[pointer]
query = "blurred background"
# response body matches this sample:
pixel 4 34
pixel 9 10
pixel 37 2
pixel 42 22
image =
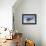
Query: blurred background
pixel 37 32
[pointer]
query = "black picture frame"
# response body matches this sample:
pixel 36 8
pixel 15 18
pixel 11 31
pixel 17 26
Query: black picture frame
pixel 29 18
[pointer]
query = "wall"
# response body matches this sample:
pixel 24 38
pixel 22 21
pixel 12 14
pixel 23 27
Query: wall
pixel 32 32
pixel 6 13
pixel 43 22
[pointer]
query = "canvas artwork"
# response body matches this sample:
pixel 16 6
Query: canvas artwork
pixel 28 18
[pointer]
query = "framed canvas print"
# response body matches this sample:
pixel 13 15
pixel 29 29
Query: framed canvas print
pixel 29 19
